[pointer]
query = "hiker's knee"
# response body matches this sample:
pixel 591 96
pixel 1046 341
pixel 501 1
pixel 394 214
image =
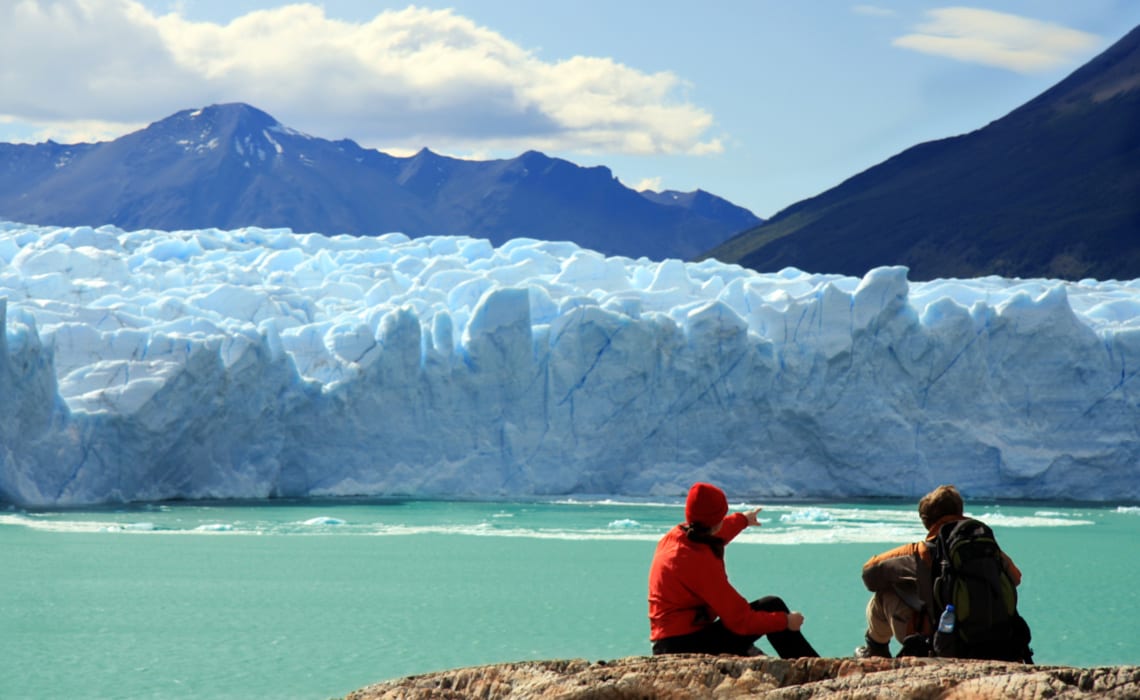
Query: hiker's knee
pixel 889 616
pixel 770 603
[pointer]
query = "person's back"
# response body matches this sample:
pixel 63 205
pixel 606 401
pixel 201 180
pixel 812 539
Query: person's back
pixel 692 606
pixel 906 605
pixel 975 596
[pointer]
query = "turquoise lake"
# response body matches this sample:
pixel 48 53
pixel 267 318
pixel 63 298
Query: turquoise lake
pixel 315 599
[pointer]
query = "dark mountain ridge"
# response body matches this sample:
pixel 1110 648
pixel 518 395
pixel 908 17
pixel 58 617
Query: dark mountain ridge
pixel 232 165
pixel 1050 190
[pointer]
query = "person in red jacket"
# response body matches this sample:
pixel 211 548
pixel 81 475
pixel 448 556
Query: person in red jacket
pixel 692 606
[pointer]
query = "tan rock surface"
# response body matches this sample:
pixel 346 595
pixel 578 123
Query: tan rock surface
pixel 682 677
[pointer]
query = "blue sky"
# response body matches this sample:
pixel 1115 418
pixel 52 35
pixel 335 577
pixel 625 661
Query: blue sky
pixel 762 102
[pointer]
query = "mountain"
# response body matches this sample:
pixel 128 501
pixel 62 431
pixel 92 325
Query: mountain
pixel 1050 190
pixel 231 165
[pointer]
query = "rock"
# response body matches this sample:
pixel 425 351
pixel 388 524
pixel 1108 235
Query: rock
pixel 685 676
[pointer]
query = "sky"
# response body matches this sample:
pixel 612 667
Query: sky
pixel 762 102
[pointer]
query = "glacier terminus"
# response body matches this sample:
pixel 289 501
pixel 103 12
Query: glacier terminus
pixel 259 363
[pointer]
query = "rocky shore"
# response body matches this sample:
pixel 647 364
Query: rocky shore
pixel 696 676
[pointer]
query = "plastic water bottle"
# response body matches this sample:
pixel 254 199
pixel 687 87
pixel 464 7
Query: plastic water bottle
pixel 947 621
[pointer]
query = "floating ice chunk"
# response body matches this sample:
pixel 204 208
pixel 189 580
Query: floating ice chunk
pixel 323 520
pixel 130 527
pixel 624 524
pixel 214 527
pixel 807 515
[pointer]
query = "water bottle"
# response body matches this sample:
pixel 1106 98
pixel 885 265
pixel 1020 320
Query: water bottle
pixel 946 622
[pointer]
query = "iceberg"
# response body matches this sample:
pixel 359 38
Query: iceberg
pixel 261 363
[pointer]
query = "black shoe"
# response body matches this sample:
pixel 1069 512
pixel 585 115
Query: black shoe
pixel 873 649
pixel 916 645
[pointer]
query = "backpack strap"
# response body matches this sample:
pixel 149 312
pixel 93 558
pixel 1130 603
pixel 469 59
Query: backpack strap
pixel 939 568
pixel 926 574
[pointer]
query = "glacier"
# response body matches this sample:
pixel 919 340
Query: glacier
pixel 262 363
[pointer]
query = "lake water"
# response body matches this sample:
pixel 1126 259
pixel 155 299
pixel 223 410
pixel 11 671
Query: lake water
pixel 314 599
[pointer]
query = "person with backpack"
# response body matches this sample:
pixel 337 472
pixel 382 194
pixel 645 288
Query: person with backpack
pixel 952 594
pixel 693 609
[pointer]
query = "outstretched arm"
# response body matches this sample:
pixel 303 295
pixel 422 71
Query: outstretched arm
pixel 734 523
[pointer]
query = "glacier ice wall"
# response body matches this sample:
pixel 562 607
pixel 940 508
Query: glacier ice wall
pixel 259 363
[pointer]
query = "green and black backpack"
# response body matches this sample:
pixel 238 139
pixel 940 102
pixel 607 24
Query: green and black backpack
pixel 969 573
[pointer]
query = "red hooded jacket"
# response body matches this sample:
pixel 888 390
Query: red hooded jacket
pixel 689 588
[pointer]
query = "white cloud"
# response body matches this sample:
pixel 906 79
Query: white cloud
pixel 873 11
pixel 649 183
pixel 998 39
pixel 83 131
pixel 403 80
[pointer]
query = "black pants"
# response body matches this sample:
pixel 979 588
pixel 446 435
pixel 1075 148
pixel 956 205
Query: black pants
pixel 718 639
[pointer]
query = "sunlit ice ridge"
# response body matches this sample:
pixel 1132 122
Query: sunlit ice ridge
pixel 153 365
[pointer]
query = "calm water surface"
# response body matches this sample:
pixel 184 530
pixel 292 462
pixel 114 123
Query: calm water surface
pixel 315 599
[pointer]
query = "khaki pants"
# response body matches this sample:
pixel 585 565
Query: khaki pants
pixel 888 616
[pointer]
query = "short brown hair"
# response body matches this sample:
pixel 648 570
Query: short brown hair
pixel 942 501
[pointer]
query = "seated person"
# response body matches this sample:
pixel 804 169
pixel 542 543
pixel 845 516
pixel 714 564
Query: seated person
pixel 692 606
pixel 902 581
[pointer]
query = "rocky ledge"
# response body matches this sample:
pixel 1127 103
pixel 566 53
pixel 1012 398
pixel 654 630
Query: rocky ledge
pixel 697 676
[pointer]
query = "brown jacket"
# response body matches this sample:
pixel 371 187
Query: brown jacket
pixel 906 570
